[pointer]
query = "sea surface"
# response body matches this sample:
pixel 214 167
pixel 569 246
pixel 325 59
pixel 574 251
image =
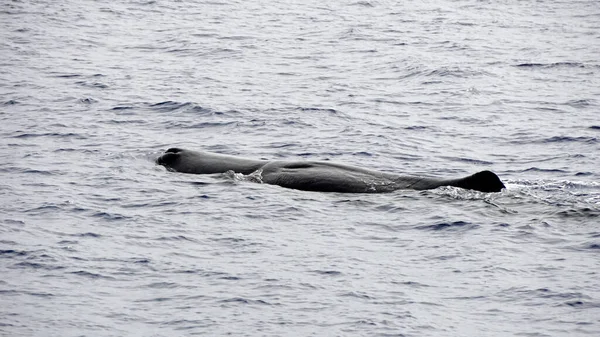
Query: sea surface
pixel 98 240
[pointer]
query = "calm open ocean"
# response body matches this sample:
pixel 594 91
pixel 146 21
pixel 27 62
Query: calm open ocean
pixel 98 240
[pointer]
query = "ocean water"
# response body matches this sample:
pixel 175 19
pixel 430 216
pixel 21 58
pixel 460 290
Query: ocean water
pixel 97 240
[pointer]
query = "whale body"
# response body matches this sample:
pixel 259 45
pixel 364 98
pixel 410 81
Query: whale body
pixel 317 175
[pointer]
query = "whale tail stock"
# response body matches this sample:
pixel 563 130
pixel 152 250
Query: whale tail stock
pixel 484 181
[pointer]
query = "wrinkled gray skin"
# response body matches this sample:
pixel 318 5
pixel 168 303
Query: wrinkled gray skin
pixel 318 176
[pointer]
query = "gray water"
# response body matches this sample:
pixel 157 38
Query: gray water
pixel 97 240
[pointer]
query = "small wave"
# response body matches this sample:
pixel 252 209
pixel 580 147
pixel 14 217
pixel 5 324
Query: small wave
pixel 449 226
pixel 122 107
pixel 172 106
pixel 416 128
pixel 35 265
pixel 580 103
pixel 358 295
pixel 327 110
pixel 49 134
pixel 98 85
pixel 109 216
pixel 328 272
pixel 12 252
pixel 176 238
pixel 203 125
pixel 453 72
pixel 566 139
pixel 91 275
pixel 44 208
pixel 584 212
pixel 552 65
pixel 87 235
pixel 87 100
pixel 163 285
pixel 68 76
pixel 363 4
pixel 245 301
pixel 468 160
pixel 594 246
pixel 537 169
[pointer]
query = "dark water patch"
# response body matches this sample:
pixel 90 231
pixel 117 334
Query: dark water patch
pixel 449 226
pixel 230 278
pixel 198 183
pixel 574 303
pixel 140 261
pixel 411 284
pixel 327 272
pixel 363 154
pixel 582 304
pixel 584 174
pixel 593 246
pixel 595 127
pixel 10 102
